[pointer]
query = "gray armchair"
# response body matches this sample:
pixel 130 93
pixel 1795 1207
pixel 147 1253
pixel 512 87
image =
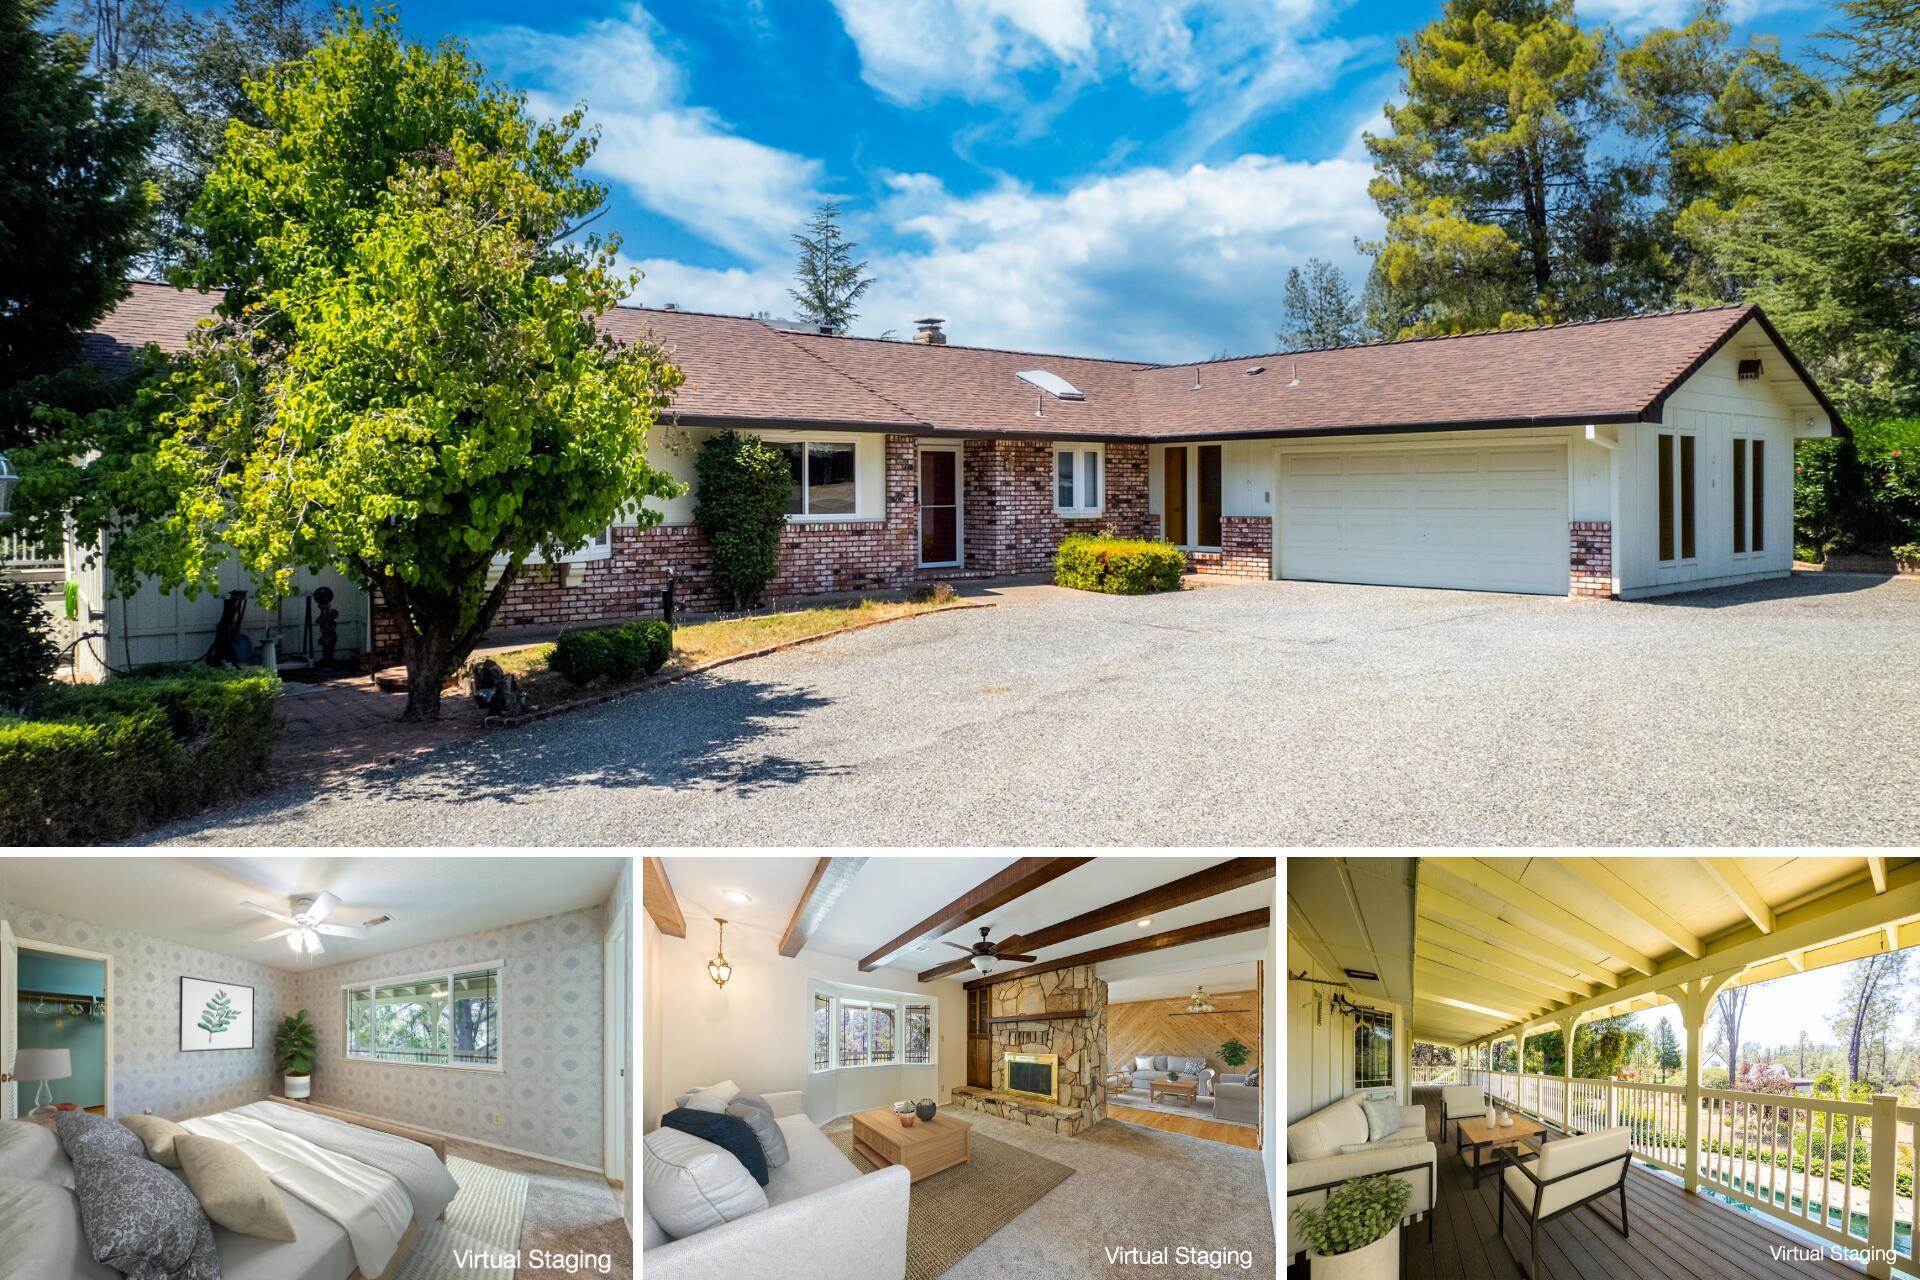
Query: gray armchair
pixel 1235 1099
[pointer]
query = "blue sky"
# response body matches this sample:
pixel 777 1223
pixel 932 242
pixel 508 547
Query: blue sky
pixel 1106 177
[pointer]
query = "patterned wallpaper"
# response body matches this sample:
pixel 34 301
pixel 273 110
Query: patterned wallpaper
pixel 150 1073
pixel 548 1094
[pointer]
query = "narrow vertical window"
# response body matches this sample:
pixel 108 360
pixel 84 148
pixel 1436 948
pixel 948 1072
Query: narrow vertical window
pixel 1739 497
pixel 1686 498
pixel 1758 473
pixel 1663 449
pixel 1091 459
pixel 1063 470
pixel 822 1032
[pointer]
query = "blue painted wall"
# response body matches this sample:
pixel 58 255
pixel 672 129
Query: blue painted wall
pixel 84 1038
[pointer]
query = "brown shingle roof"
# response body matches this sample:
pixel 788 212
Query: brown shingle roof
pixel 743 371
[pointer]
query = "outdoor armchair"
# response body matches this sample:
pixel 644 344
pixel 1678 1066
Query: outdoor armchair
pixel 1460 1102
pixel 1569 1173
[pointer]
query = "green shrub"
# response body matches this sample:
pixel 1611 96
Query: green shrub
pixel 740 503
pixel 28 654
pixel 1355 1215
pixel 100 762
pixel 1117 566
pixel 621 653
pixel 1860 494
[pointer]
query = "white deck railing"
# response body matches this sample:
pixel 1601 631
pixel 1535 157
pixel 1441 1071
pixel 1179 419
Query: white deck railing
pixel 1811 1162
pixel 18 553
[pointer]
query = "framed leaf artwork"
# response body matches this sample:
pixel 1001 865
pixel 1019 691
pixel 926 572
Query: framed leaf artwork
pixel 215 1015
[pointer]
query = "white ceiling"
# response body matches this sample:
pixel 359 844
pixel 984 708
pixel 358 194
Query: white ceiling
pixel 891 894
pixel 197 900
pixel 1215 978
pixel 1356 913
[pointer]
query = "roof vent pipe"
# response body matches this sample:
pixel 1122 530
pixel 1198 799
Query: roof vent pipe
pixel 929 332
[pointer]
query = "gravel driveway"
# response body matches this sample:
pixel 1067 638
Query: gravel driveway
pixel 1267 713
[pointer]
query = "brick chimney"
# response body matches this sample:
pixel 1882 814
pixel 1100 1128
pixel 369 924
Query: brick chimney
pixel 930 332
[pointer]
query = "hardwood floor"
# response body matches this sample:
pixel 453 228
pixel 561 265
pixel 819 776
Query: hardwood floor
pixel 1234 1135
pixel 1675 1236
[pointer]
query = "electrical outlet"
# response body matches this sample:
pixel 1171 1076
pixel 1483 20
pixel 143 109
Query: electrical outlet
pixel 494 1118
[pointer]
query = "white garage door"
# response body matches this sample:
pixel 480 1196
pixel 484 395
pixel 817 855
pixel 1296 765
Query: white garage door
pixel 1492 518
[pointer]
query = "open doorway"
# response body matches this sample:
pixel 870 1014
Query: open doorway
pixel 61 1033
pixel 1181 1046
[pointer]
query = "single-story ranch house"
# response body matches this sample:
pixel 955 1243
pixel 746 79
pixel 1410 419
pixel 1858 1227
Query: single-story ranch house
pixel 1617 458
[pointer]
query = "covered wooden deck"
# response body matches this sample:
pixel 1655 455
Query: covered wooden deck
pixel 1674 1236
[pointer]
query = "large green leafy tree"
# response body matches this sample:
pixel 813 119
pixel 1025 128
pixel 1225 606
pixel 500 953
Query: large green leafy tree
pixel 73 206
pixel 189 69
pixel 406 381
pixel 1502 208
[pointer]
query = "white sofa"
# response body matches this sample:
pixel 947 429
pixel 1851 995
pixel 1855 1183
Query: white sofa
pixel 824 1220
pixel 1331 1146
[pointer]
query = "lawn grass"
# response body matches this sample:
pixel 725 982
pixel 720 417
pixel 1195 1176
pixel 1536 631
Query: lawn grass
pixel 705 642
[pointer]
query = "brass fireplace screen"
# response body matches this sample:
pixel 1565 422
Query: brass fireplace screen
pixel 1033 1075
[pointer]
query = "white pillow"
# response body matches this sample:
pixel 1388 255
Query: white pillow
pixel 688 1184
pixel 1143 1063
pixel 713 1097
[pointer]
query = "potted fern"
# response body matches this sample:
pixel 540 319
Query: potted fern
pixel 1355 1235
pixel 294 1049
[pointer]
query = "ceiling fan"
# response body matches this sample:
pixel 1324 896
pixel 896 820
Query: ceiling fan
pixel 306 923
pixel 981 955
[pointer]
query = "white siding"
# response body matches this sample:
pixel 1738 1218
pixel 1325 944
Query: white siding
pixel 166 626
pixel 1714 405
pixel 1320 1055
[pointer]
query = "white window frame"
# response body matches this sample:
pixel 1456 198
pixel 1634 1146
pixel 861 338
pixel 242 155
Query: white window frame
pixel 898 1003
pixel 497 1066
pixel 598 547
pixel 1082 453
pixel 804 516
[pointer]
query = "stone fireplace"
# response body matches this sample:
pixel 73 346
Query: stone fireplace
pixel 1067 1023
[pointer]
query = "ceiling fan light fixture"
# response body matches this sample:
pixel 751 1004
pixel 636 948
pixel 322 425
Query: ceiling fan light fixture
pixel 983 963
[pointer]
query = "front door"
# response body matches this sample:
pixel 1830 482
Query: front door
pixel 1175 496
pixel 939 506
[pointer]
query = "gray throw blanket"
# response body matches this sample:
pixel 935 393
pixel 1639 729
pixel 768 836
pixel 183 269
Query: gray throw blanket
pixel 427 1182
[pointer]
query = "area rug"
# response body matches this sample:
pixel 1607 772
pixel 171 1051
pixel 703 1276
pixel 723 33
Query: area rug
pixel 479 1236
pixel 1200 1110
pixel 951 1212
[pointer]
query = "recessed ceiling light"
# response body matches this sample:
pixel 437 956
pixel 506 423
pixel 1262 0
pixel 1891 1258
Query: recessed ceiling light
pixel 734 895
pixel 1143 923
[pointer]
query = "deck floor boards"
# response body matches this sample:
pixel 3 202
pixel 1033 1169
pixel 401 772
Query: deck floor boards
pixel 1674 1236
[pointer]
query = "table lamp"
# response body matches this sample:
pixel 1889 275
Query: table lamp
pixel 43 1065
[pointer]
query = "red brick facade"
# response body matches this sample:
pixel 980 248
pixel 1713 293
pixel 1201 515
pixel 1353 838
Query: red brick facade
pixel 1009 527
pixel 1246 549
pixel 1590 558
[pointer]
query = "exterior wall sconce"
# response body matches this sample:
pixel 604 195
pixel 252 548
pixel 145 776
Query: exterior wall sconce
pixel 717 968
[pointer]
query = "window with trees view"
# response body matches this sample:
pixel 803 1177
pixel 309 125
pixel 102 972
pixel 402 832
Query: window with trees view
pixel 447 1019
pixel 1372 1049
pixel 854 1032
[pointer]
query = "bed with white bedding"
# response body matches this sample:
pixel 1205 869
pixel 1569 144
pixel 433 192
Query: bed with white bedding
pixel 358 1198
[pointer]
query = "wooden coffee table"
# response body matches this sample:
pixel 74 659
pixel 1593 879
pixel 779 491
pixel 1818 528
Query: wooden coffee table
pixel 1480 1134
pixel 925 1147
pixel 1185 1090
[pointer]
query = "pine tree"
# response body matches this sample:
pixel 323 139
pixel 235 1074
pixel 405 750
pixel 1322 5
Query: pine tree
pixel 1320 309
pixel 830 280
pixel 1666 1049
pixel 1801 1050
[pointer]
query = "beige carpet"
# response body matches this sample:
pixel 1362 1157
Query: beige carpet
pixel 569 1212
pixel 951 1212
pixel 478 1237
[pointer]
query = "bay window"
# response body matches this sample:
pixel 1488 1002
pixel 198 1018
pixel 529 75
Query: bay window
pixel 870 1031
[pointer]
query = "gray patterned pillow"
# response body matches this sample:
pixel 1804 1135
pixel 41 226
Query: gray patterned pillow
pixel 82 1132
pixel 773 1143
pixel 141 1220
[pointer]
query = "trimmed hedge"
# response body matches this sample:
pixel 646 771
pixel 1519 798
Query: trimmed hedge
pixel 1118 566
pixel 100 762
pixel 622 652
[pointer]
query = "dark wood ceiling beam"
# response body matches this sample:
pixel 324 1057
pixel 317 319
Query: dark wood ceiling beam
pixel 831 877
pixel 662 905
pixel 996 891
pixel 1235 873
pixel 1245 922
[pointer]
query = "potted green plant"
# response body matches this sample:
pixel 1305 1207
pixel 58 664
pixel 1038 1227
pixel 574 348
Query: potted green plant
pixel 294 1049
pixel 1355 1235
pixel 1172 1076
pixel 904 1110
pixel 1235 1054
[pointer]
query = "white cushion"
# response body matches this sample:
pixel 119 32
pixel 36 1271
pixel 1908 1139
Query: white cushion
pixel 1143 1063
pixel 1402 1139
pixel 1327 1131
pixel 1557 1158
pixel 689 1184
pixel 1383 1117
pixel 713 1097
pixel 1463 1100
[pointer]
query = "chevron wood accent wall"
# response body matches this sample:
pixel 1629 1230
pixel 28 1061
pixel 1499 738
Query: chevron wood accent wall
pixel 1147 1026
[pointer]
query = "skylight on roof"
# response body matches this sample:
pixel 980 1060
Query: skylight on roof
pixel 1052 383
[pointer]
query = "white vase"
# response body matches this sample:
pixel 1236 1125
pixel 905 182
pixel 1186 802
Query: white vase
pixel 1377 1261
pixel 297 1086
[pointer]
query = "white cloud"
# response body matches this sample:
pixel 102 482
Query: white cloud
pixel 679 160
pixel 1633 17
pixel 1154 264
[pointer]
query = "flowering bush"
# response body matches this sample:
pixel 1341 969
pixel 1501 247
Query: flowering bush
pixel 1861 494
